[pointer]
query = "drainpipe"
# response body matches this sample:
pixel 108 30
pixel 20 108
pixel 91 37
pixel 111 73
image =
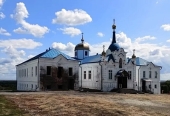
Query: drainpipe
pixel 81 76
pixel 101 77
pixel 138 78
pixel 38 86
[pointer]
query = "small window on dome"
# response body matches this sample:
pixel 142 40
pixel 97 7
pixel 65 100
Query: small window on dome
pixel 85 53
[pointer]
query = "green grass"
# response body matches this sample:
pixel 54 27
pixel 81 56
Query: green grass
pixel 8 108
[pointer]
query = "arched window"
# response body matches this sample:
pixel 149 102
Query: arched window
pixel 120 63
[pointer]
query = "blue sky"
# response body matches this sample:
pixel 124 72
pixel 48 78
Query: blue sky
pixel 28 28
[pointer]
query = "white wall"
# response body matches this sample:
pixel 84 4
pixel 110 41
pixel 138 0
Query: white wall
pixel 95 81
pixel 25 80
pixel 30 83
pixel 154 81
pixel 57 62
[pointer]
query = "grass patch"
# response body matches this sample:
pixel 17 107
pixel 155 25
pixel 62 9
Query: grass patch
pixel 8 108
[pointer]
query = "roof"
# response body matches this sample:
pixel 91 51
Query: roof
pixel 82 46
pixel 139 61
pixel 110 57
pixel 52 53
pixel 92 59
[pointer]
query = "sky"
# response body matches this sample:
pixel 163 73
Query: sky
pixel 29 27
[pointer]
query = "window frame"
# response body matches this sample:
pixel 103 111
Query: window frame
pixel 48 70
pixel 70 74
pixel 86 53
pixel 110 74
pixel 89 74
pixel 130 75
pixel 150 74
pixel 84 74
pixel 32 71
pixel 144 74
pixel 156 74
pixel 120 63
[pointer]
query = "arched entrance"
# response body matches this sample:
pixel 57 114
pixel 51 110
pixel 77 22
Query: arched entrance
pixel 122 76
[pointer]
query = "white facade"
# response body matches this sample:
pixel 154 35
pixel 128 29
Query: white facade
pixel 28 73
pixel 27 76
pixel 103 74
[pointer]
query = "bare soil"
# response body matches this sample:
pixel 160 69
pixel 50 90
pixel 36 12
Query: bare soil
pixel 72 103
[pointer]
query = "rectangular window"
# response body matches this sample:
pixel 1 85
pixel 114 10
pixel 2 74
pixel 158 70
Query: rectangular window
pixel 110 74
pixel 89 74
pixel 85 53
pixel 36 71
pixel 48 70
pixel 32 71
pixel 143 74
pixel 60 72
pixel 155 86
pixel 156 74
pixel 70 71
pixel 84 74
pixel 130 74
pixel 27 72
pixel 32 86
pixel 150 74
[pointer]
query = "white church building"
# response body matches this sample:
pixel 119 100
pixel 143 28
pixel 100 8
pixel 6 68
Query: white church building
pixel 54 70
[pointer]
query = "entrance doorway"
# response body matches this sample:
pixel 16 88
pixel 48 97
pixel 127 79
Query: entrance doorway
pixel 71 84
pixel 122 82
pixel 143 85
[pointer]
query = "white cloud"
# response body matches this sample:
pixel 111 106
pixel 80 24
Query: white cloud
pixel 13 53
pixel 68 48
pixel 20 43
pixel 100 34
pixel 71 17
pixel 141 39
pixel 4 32
pixel 20 14
pixel 2 15
pixel 13 49
pixel 71 31
pixel 1 3
pixel 166 27
pixel 30 56
pixel 7 65
pixel 20 31
pixel 168 40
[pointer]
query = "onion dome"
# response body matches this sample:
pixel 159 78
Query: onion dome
pixel 114 46
pixel 82 45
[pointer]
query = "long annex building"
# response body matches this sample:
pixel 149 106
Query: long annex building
pixel 54 70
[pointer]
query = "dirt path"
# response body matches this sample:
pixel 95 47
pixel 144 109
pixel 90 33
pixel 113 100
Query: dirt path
pixel 70 103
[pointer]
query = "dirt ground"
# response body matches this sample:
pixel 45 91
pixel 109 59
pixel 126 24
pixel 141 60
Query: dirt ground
pixel 72 103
